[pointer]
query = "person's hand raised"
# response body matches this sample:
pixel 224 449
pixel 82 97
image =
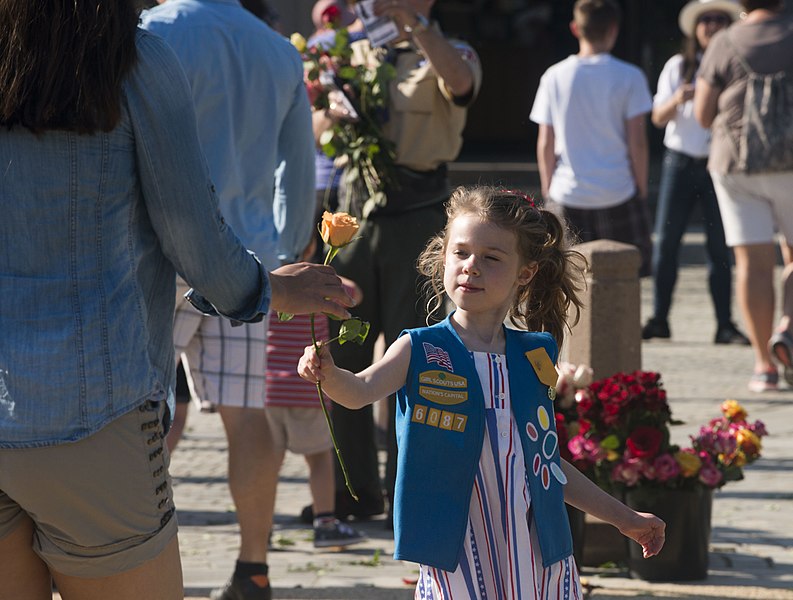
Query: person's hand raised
pixel 303 288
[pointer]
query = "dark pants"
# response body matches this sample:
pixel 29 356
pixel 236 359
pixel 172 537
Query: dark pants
pixel 383 263
pixel 627 222
pixel 686 182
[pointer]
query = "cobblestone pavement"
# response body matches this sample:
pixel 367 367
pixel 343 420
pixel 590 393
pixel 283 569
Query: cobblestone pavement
pixel 751 553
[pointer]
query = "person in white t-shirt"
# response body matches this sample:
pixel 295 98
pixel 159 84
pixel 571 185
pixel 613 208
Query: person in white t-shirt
pixel 592 143
pixel 685 181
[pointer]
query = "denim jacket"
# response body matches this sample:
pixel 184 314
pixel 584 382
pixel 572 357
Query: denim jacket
pixel 93 230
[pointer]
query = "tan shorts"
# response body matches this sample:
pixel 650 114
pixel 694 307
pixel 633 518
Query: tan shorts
pixel 227 364
pixel 299 430
pixel 100 506
pixel 755 208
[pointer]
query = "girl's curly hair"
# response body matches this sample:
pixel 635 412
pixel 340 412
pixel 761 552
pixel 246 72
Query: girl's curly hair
pixel 544 303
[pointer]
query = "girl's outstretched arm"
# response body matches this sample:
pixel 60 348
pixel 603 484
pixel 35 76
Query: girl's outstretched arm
pixel 356 390
pixel 644 528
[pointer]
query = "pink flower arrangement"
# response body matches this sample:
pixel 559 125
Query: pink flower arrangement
pixel 617 433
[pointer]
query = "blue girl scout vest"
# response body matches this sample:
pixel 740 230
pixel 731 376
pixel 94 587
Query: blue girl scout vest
pixel 440 424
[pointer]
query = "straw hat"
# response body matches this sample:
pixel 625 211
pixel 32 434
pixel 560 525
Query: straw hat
pixel 691 12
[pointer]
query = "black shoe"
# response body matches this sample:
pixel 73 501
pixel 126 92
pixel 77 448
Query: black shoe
pixel 656 328
pixel 729 334
pixel 370 504
pixel 307 515
pixel 242 588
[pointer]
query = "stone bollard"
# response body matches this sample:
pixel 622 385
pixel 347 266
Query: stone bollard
pixel 608 336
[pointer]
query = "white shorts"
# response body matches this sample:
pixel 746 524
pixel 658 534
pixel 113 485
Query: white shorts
pixel 755 208
pixel 299 430
pixel 227 364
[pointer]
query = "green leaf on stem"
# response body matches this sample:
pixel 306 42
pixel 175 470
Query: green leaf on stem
pixel 611 442
pixel 282 316
pixel 353 330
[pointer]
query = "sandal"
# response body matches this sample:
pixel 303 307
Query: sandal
pixel 781 346
pixel 764 382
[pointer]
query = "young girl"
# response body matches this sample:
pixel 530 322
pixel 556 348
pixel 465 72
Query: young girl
pixel 480 488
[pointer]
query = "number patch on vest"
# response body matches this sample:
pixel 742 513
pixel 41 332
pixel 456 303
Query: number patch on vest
pixel 443 419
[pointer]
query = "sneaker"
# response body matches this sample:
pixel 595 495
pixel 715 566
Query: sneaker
pixel 335 533
pixel 242 588
pixel 764 382
pixel 656 328
pixel 730 334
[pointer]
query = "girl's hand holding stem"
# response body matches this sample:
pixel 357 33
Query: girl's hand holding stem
pixel 310 366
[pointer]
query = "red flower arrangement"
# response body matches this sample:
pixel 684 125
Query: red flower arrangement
pixel 617 433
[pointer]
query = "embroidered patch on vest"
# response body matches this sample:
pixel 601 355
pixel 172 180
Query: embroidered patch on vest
pixel 445 397
pixel 443 419
pixel 443 379
pixel 433 354
pixel 542 464
pixel 543 366
pixel 443 388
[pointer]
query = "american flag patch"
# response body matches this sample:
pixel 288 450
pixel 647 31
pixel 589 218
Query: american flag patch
pixel 437 355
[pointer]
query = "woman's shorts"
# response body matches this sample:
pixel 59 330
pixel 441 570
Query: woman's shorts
pixel 100 506
pixel 299 430
pixel 754 208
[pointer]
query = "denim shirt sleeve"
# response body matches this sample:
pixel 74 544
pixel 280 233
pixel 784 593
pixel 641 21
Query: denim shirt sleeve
pixel 178 194
pixel 295 196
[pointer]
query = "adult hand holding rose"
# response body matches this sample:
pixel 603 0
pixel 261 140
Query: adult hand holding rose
pixel 337 230
pixel 308 288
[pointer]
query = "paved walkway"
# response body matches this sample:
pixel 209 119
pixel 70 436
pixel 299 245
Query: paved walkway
pixel 751 554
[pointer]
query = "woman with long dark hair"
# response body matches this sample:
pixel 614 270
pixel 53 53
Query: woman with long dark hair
pixel 685 182
pixel 104 196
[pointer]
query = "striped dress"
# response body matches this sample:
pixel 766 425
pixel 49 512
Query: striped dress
pixel 501 556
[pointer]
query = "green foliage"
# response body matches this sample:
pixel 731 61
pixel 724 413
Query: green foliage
pixel 359 145
pixel 353 330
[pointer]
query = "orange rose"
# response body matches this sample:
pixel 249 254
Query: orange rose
pixel 338 229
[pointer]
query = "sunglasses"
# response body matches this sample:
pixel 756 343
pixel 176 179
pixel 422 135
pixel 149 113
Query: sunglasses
pixel 714 20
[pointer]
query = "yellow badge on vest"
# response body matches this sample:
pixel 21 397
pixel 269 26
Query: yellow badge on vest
pixel 543 366
pixel 443 388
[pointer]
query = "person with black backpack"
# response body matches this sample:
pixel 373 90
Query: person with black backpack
pixel 745 92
